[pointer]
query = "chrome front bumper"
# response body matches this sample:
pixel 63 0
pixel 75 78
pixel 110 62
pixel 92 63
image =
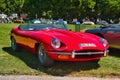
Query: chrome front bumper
pixel 73 53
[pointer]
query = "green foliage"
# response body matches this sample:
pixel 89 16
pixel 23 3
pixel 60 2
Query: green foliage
pixel 11 6
pixel 108 8
pixel 66 9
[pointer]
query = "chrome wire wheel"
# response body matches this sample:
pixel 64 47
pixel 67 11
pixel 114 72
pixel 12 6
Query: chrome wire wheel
pixel 41 54
pixel 44 59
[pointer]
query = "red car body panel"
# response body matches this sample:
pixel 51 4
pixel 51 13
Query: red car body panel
pixel 112 35
pixel 70 41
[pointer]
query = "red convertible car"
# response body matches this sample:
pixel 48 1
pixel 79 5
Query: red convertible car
pixel 51 41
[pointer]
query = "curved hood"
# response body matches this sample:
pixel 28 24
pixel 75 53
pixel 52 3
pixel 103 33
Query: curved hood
pixel 73 40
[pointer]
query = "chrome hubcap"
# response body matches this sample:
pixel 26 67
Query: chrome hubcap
pixel 41 54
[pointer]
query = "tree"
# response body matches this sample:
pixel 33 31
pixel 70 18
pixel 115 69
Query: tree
pixel 11 6
pixel 65 9
pixel 107 8
pixel 2 6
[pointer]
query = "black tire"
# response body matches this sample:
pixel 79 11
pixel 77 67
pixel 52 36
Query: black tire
pixel 13 44
pixel 44 59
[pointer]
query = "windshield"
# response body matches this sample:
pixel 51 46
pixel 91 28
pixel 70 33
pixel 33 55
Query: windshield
pixel 41 25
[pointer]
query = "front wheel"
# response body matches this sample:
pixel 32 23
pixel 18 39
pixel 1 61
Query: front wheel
pixel 44 59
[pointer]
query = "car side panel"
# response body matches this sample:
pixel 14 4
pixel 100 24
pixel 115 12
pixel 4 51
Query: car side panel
pixel 23 39
pixel 112 35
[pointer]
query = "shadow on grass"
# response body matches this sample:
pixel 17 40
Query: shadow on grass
pixel 114 52
pixel 59 69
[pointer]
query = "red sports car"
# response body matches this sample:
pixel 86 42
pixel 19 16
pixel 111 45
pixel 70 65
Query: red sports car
pixel 51 41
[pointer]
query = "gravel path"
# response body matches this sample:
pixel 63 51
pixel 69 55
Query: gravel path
pixel 32 77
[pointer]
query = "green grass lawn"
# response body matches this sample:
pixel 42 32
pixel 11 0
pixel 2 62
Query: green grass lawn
pixel 82 26
pixel 24 62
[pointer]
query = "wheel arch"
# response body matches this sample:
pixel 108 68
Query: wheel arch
pixel 37 45
pixel 11 37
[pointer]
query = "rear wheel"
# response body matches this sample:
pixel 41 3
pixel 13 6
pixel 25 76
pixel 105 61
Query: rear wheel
pixel 13 44
pixel 44 59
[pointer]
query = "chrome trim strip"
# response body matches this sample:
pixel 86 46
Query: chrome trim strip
pixel 73 53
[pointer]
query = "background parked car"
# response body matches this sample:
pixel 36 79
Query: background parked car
pixel 111 32
pixel 18 21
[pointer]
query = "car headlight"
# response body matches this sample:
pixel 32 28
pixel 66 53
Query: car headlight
pixel 104 42
pixel 55 43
